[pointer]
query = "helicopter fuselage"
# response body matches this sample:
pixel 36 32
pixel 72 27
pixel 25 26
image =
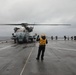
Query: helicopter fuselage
pixel 22 35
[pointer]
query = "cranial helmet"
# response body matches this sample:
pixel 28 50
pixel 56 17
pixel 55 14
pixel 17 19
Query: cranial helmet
pixel 43 35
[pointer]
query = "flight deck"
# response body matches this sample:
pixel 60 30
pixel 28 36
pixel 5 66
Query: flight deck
pixel 20 59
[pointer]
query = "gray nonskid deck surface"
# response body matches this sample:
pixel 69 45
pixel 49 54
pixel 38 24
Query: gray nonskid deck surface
pixel 56 62
pixel 59 59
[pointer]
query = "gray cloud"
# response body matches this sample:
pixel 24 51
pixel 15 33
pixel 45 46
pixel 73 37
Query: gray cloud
pixel 40 11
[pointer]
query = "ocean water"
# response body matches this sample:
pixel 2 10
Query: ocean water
pixel 5 38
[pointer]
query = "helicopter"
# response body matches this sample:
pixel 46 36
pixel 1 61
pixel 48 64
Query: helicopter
pixel 22 34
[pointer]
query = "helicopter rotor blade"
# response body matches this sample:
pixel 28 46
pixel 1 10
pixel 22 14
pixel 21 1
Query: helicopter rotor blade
pixel 25 24
pixel 50 24
pixel 11 24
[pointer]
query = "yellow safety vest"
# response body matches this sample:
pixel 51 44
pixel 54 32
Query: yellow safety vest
pixel 42 42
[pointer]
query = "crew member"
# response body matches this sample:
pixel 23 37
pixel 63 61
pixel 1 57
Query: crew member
pixel 42 44
pixel 71 37
pixel 51 37
pixel 56 37
pixel 65 37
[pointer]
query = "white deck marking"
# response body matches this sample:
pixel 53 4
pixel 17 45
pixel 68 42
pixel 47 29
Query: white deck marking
pixel 5 47
pixel 26 62
pixel 64 48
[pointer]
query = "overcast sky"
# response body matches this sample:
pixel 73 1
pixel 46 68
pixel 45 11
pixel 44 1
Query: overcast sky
pixel 39 11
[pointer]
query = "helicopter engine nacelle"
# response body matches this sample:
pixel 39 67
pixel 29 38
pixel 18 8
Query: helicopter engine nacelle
pixel 15 29
pixel 30 29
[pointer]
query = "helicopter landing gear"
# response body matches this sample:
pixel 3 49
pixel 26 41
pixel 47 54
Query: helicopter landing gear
pixel 15 41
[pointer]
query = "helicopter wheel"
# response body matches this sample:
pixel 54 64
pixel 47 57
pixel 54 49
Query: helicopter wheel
pixel 18 40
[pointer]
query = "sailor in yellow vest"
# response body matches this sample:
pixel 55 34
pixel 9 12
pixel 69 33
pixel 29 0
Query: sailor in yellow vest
pixel 42 44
